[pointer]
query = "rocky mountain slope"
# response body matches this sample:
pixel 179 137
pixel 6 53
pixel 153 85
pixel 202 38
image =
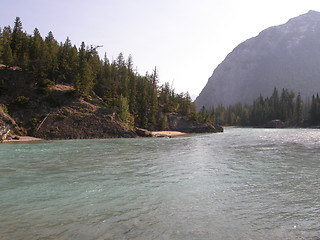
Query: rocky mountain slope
pixel 285 56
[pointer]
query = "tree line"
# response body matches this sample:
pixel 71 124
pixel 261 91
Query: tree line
pixel 287 107
pixel 138 99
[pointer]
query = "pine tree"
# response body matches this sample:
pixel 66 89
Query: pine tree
pixel 165 97
pixel 123 112
pixel 315 110
pixel 203 114
pixel 103 83
pixel 51 49
pixel 298 109
pixel 6 54
pixel 19 45
pixel 122 75
pixel 275 105
pixel 16 43
pixel 258 112
pixel 94 61
pixel 36 54
pixel 186 105
pixel 153 96
pixel 36 45
pixel 142 103
pixel 287 105
pixel 133 87
pixel 84 80
pixel 68 62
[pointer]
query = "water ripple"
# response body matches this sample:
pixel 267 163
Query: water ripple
pixel 242 184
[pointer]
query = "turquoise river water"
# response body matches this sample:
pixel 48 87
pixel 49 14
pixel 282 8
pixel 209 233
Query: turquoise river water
pixel 242 184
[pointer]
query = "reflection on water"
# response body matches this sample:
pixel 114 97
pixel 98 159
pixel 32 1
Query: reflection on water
pixel 242 184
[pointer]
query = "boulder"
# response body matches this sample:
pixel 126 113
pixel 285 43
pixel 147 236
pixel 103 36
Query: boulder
pixel 143 132
pixel 275 124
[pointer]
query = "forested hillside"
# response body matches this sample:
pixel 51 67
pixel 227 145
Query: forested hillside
pixel 138 100
pixel 281 109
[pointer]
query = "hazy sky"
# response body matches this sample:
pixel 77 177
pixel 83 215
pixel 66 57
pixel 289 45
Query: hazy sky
pixel 184 39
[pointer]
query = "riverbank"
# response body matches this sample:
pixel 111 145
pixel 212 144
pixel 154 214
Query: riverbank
pixel 23 139
pixel 28 139
pixel 165 134
pixel 168 134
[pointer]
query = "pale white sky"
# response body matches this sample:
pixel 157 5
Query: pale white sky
pixel 184 39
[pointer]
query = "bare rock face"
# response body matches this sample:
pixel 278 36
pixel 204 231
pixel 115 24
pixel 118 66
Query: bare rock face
pixel 8 125
pixel 178 123
pixel 285 56
pixel 143 132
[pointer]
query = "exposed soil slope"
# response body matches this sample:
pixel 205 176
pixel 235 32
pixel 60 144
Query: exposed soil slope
pixel 46 110
pixel 52 112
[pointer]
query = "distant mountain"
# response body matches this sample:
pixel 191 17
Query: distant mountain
pixel 284 56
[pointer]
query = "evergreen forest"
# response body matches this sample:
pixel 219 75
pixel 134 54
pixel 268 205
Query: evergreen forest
pixel 287 107
pixel 138 99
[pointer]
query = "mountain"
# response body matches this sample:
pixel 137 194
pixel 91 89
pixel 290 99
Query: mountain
pixel 284 56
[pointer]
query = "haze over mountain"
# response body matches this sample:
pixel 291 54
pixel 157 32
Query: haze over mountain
pixel 284 56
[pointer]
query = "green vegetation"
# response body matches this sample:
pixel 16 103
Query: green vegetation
pixel 287 107
pixel 21 101
pixel 139 100
pixel 315 110
pixel 4 109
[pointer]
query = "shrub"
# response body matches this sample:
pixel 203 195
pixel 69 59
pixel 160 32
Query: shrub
pixel 44 86
pixel 21 101
pixel 4 109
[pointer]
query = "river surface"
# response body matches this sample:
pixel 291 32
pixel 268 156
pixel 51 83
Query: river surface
pixel 241 184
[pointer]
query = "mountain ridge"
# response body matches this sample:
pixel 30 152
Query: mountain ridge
pixel 283 56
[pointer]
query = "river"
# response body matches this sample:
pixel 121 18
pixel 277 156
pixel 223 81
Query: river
pixel 241 184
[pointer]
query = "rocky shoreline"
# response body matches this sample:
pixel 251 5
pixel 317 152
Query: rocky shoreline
pixel 160 134
pixel 154 134
pixel 82 120
pixel 23 139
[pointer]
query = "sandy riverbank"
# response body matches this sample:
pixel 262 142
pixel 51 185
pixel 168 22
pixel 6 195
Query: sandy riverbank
pixel 168 134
